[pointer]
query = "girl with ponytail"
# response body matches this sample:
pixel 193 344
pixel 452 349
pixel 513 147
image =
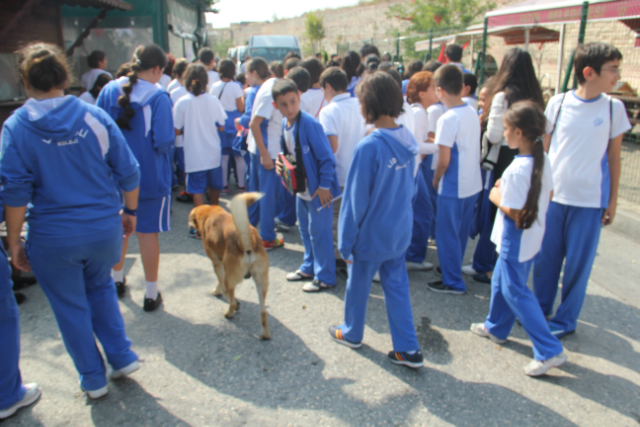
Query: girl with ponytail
pixel 198 116
pixel 522 196
pixel 142 109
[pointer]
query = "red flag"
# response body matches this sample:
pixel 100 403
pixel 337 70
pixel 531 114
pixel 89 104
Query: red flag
pixel 464 46
pixel 441 56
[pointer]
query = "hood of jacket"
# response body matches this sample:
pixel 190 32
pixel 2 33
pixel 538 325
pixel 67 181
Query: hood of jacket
pixel 54 117
pixel 143 92
pixel 401 143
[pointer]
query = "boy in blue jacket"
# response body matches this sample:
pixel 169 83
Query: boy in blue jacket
pixel 376 219
pixel 314 205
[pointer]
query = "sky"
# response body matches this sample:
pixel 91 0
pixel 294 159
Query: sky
pixel 263 10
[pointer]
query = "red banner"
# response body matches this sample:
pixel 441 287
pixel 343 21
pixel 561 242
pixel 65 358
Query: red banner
pixel 598 11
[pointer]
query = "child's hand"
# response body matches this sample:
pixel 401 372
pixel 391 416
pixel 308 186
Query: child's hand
pixel 19 259
pixel 266 162
pixel 279 166
pixel 497 184
pixel 236 123
pixel 324 195
pixel 435 183
pixel 348 261
pixel 609 214
pixel 221 128
pixel 128 224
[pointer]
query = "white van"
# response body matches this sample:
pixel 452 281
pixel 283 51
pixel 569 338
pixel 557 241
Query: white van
pixel 273 48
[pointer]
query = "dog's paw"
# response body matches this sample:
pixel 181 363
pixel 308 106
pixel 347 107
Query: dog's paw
pixel 265 336
pixel 228 315
pixel 237 305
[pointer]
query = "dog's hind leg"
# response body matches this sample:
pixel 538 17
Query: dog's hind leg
pixel 232 300
pixel 262 285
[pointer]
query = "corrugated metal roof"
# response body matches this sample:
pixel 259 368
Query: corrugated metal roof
pixel 100 4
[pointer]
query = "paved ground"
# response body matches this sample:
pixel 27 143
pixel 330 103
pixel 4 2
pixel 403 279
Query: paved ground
pixel 201 369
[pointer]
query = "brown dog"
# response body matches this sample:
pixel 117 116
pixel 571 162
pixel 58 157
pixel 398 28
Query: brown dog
pixel 236 250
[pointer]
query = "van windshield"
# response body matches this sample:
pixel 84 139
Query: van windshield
pixel 271 53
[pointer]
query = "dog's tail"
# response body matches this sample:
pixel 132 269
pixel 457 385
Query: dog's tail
pixel 241 218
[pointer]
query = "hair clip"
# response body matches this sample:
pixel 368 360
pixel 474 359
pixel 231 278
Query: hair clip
pixel 138 62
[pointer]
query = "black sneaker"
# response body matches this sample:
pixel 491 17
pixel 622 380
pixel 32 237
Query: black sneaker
pixel 482 278
pixel 414 360
pixel 120 287
pixel 185 197
pixel 20 297
pixel 438 286
pixel 336 334
pixel 438 271
pixel 150 305
pixel 193 232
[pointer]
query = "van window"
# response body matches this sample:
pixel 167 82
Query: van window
pixel 271 53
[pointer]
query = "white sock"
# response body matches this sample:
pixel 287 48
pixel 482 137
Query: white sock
pixel 225 169
pixel 118 276
pixel 152 290
pixel 240 170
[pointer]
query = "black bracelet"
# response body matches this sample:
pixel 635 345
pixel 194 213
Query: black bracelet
pixel 128 211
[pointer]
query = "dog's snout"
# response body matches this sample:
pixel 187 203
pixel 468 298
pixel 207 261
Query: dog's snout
pixel 248 252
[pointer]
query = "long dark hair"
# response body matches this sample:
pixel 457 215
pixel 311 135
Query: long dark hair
pixel 145 58
pixel 529 118
pixel 100 82
pixel 350 64
pixel 196 79
pixel 517 78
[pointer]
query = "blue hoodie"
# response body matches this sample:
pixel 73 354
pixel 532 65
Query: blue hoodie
pixel 376 216
pixel 245 119
pixel 317 157
pixel 63 157
pixel 152 134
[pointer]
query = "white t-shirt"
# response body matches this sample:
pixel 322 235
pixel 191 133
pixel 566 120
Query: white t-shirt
pixel 421 119
pixel 173 85
pixel 263 107
pixel 198 117
pixel 407 119
pixel 434 112
pixel 459 129
pixel 213 77
pixel 522 245
pixel 289 139
pixel 176 94
pixel 231 92
pixel 495 122
pixel 578 149
pixel 88 98
pixel 164 81
pixel 312 101
pixel 471 102
pixel 89 78
pixel 342 117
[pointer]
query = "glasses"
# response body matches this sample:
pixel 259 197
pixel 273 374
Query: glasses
pixel 617 71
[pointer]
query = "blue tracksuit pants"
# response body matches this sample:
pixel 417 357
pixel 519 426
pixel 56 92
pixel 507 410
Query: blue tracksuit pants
pixel 572 234
pixel 422 215
pixel 264 212
pixel 11 389
pixel 316 229
pixel 433 193
pixel 77 282
pixel 511 298
pixel 286 206
pixel 452 234
pixel 395 285
pixel 484 257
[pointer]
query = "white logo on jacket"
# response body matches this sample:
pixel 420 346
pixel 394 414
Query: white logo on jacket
pixel 46 141
pixel 393 162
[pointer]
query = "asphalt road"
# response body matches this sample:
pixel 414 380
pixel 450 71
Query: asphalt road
pixel 201 369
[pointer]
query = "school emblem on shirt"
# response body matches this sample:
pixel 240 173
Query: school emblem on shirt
pixel 598 121
pixel 305 149
pixel 46 141
pixel 394 162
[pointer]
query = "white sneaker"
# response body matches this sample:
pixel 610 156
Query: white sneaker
pixel 419 266
pixel 480 330
pixel 32 394
pixel 123 372
pixel 541 367
pixel 468 270
pixel 96 394
pixel 376 277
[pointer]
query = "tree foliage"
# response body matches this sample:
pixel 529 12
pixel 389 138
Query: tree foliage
pixel 444 16
pixel 314 31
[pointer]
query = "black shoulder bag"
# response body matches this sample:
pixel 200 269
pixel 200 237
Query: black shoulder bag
pixel 297 163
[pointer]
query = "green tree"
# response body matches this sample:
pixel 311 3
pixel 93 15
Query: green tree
pixel 314 26
pixel 444 16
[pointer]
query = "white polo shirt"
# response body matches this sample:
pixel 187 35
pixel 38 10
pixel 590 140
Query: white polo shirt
pixel 459 129
pixel 511 242
pixel 271 127
pixel 198 117
pixel 312 101
pixel 434 112
pixel 213 77
pixel 342 118
pixel 421 119
pixel 578 149
pixel 89 78
pixel 231 91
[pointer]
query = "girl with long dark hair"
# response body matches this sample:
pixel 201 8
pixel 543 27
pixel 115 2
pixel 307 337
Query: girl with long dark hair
pixel 522 196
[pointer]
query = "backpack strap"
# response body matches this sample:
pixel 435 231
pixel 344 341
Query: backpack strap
pixel 564 95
